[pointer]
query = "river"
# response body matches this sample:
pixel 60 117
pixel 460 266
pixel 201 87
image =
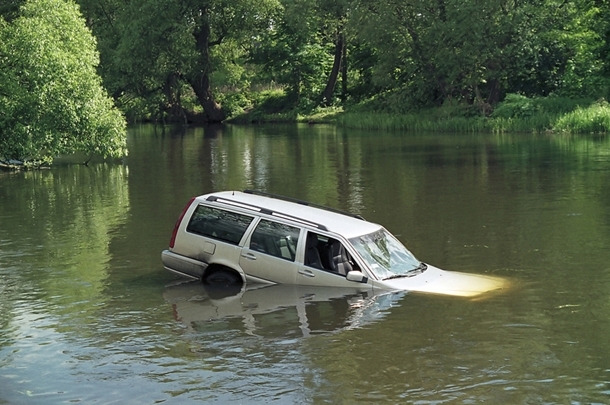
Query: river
pixel 89 315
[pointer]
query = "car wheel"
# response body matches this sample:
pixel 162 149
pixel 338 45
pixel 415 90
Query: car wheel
pixel 222 276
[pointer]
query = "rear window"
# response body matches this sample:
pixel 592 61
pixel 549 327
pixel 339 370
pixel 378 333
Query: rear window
pixel 219 224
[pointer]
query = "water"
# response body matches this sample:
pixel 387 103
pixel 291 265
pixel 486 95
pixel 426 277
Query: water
pixel 88 315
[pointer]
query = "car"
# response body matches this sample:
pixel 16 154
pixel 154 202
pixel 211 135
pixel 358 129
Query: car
pixel 233 237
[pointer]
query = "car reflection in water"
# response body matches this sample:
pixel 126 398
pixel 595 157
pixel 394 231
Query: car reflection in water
pixel 263 309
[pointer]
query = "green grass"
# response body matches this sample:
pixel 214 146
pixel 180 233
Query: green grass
pixel 516 114
pixel 424 122
pixel 592 119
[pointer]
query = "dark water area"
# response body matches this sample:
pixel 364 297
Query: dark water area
pixel 89 315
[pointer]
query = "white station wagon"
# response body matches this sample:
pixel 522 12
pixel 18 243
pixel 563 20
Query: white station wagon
pixel 253 237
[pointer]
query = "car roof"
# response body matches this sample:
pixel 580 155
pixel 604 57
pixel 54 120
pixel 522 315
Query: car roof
pixel 344 224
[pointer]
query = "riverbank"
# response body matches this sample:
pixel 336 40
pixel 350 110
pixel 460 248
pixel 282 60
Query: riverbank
pixel 515 114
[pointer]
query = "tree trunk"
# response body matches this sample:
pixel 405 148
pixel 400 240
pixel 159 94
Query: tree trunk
pixel 344 73
pixel 327 94
pixel 494 92
pixel 211 109
pixel 199 77
pixel 483 106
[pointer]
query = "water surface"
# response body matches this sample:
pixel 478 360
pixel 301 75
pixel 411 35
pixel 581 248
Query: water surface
pixel 87 313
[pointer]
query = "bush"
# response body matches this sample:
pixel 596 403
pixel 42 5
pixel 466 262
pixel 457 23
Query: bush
pixel 515 106
pixel 234 103
pixel 268 106
pixel 518 106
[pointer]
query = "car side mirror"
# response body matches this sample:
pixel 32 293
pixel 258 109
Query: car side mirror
pixel 357 276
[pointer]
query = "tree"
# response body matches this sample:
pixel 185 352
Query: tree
pixel 293 54
pixel 159 55
pixel 217 26
pixel 305 49
pixel 158 50
pixel 432 49
pixel 584 35
pixel 468 50
pixel 51 99
pixel 334 15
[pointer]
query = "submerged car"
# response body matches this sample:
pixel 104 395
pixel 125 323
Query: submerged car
pixel 234 237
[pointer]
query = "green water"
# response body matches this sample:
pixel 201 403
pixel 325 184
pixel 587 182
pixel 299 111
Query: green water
pixel 89 315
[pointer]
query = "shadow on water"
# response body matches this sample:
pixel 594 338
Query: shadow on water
pixel 278 310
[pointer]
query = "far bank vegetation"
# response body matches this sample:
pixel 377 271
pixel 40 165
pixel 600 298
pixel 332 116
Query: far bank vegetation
pixel 446 65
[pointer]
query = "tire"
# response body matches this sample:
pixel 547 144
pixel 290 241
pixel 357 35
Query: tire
pixel 222 276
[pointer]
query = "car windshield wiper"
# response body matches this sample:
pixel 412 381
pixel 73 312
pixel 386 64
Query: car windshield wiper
pixel 421 268
pixel 398 276
pixel 413 272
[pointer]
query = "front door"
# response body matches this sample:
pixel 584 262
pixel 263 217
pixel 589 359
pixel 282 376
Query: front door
pixel 326 263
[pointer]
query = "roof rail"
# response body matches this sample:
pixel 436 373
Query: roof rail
pixel 297 201
pixel 267 211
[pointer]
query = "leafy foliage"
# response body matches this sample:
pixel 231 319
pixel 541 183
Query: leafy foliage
pixel 160 56
pixel 478 51
pixel 191 59
pixel 51 98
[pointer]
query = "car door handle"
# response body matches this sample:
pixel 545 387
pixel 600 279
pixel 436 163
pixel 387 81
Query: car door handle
pixel 307 273
pixel 249 256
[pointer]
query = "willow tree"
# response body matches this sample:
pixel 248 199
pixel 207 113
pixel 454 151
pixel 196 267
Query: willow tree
pixel 51 99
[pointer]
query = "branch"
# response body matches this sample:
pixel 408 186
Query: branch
pixel 217 42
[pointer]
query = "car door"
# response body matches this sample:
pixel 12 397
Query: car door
pixel 322 267
pixel 269 254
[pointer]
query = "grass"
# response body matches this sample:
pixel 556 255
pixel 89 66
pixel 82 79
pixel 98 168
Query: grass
pixel 425 122
pixel 517 114
pixel 593 119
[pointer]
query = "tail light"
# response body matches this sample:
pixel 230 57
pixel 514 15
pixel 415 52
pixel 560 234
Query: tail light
pixel 172 241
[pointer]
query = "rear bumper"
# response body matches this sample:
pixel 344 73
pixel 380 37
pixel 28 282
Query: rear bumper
pixel 182 265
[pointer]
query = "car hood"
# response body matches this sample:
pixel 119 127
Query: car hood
pixel 437 281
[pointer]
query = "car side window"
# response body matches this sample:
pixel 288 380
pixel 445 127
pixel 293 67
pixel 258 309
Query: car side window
pixel 328 254
pixel 275 239
pixel 219 224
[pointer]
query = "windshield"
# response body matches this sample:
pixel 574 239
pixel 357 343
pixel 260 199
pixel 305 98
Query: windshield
pixel 386 256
